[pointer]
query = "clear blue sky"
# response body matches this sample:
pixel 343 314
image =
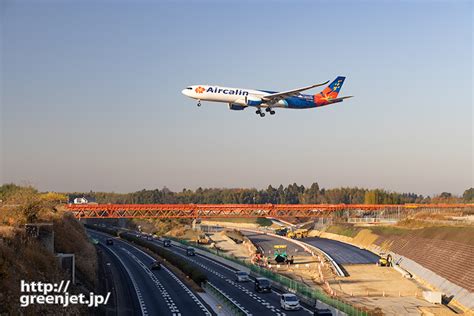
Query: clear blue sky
pixel 91 100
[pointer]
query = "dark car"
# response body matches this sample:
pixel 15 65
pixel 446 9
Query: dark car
pixel 321 311
pixel 190 251
pixel 263 285
pixel 155 265
pixel 167 243
pixel 109 241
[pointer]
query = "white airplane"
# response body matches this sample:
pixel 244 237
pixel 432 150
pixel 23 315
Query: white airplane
pixel 240 99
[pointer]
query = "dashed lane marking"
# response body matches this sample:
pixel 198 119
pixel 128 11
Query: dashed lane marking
pixel 231 270
pixel 141 302
pixel 260 300
pixel 164 293
pixel 185 288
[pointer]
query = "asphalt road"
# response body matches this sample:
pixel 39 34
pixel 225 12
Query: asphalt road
pixel 159 292
pixel 113 278
pixel 341 252
pixel 266 242
pixel 223 278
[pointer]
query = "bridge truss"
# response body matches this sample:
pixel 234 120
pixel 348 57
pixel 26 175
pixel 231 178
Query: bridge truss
pixel 250 210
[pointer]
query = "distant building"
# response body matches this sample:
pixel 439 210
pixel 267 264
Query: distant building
pixel 81 200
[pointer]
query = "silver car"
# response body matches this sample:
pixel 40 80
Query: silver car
pixel 242 276
pixel 289 301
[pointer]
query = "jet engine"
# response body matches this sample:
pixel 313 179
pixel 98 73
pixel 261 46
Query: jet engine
pixel 236 107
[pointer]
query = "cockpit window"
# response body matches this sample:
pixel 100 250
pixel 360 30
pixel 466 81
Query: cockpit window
pixel 189 88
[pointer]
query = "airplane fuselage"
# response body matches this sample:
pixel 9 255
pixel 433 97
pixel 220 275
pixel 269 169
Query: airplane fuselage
pixel 246 97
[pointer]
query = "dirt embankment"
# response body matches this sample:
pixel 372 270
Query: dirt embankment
pixel 23 257
pixel 429 246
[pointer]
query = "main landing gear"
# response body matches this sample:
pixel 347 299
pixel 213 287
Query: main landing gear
pixel 270 110
pixel 199 102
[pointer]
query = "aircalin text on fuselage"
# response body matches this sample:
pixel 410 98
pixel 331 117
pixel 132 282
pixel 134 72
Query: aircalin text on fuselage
pixel 240 99
pixel 227 91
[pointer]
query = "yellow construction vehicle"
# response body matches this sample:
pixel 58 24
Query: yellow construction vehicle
pixel 385 260
pixel 298 233
pixel 203 239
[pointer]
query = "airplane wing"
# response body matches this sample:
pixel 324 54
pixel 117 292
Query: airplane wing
pixel 275 97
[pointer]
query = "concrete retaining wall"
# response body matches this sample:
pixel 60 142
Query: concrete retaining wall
pixel 460 294
pixel 448 288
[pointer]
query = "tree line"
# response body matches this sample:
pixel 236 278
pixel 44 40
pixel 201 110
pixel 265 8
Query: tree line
pixel 291 194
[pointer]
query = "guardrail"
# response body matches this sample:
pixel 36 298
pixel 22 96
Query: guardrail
pixel 231 304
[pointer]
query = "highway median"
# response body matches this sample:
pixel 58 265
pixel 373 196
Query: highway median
pixel 194 273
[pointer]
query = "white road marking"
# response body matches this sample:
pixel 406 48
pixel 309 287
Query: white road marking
pixel 164 293
pixel 141 302
pixel 262 301
pixel 186 289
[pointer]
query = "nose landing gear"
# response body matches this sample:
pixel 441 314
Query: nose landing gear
pixel 199 103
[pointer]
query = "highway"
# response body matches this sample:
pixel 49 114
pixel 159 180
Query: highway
pixel 223 278
pixel 159 292
pixel 341 252
pixel 113 278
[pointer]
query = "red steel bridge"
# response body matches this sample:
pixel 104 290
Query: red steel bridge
pixel 250 210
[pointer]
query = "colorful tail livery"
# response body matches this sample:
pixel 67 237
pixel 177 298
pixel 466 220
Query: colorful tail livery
pixel 330 93
pixel 240 99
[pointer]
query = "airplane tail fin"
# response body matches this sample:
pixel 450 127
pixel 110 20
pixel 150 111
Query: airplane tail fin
pixel 330 93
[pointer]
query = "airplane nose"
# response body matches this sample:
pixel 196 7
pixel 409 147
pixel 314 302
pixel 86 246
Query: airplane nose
pixel 185 92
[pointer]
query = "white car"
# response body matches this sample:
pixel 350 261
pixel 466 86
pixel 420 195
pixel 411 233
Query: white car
pixel 289 301
pixel 242 276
